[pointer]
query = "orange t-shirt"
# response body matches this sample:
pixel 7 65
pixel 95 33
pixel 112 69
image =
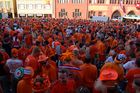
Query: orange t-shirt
pixel 90 77
pixel 28 39
pixel 101 47
pixel 69 87
pixel 130 77
pixel 50 71
pixel 93 51
pixel 32 62
pixel 24 86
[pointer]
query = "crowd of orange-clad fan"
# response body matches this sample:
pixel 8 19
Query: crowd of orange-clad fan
pixel 39 55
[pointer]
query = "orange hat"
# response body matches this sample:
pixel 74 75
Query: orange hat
pixel 108 74
pixel 14 52
pixel 28 72
pixel 42 58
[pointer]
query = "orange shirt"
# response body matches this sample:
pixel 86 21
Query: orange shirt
pixel 32 62
pixel 130 78
pixel 114 43
pixel 50 71
pixel 89 73
pixel 28 39
pixel 40 38
pixel 93 51
pixel 69 87
pixel 24 86
pixel 88 38
pixel 101 47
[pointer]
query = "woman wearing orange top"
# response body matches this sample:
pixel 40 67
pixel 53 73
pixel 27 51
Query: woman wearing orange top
pixel 47 68
pixel 31 60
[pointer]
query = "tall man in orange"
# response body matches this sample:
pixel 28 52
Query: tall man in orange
pixel 47 68
pixel 31 60
pixel 89 73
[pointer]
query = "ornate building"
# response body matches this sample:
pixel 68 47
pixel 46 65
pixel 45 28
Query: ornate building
pixel 84 9
pixel 35 8
pixel 113 8
pixel 72 9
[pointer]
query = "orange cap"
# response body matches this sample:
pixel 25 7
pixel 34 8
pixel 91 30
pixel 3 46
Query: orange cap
pixel 42 58
pixel 14 52
pixel 108 74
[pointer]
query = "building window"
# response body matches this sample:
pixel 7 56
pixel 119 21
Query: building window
pixel 78 1
pixel 91 13
pixel 38 6
pixel 99 13
pixel 21 6
pixel 63 13
pixel 95 1
pixel 113 1
pixel 118 1
pixel 129 1
pixel 101 1
pixel 63 1
pixel 7 4
pixel 1 4
pixel 48 15
pixel 77 13
pixel 29 6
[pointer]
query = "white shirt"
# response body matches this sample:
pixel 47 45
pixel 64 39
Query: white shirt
pixel 109 59
pixel 129 65
pixel 13 64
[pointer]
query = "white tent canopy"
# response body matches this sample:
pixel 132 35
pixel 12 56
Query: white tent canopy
pixel 132 17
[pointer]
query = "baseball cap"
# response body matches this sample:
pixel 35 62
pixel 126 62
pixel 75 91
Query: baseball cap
pixel 108 74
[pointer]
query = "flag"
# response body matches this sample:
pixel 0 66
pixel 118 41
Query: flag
pixel 138 5
pixel 122 6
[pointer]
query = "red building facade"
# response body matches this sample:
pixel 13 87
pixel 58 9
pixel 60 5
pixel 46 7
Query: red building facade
pixel 71 9
pixel 83 9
